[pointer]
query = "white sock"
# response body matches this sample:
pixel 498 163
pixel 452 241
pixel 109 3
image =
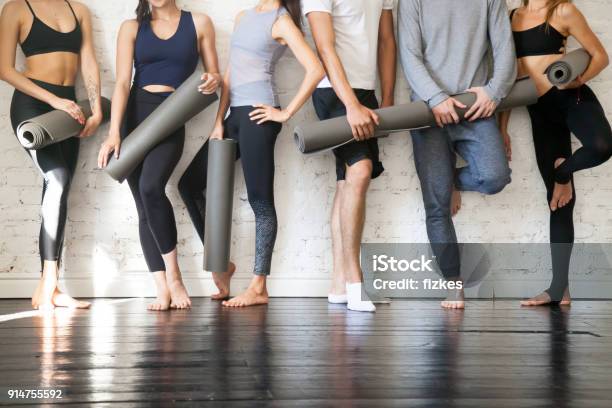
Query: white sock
pixel 354 300
pixel 336 299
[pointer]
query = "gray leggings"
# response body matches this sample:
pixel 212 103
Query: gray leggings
pixel 256 151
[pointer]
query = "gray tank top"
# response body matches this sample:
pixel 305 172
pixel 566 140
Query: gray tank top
pixel 253 57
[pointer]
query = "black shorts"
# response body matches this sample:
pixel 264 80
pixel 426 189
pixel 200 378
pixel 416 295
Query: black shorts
pixel 328 106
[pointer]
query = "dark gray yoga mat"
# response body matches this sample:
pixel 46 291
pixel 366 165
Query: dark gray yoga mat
pixel 219 204
pixel 184 103
pixel 55 126
pixel 328 134
pixel 569 67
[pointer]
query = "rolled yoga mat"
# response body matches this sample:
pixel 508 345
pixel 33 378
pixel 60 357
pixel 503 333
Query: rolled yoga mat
pixel 181 106
pixel 568 68
pixel 219 204
pixel 55 126
pixel 331 133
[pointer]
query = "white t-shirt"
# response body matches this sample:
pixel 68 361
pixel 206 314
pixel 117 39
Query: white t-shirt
pixel 356 24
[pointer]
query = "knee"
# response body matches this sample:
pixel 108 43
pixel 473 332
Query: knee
pixel 604 148
pixel 264 209
pixel 58 182
pixel 494 183
pixel 184 188
pixel 358 176
pixel 150 192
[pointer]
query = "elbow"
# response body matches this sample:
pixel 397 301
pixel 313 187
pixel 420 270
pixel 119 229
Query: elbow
pixel 317 72
pixel 605 59
pixel 4 73
pixel 326 53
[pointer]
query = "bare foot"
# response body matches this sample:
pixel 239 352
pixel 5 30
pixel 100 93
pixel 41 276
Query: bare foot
pixel 539 300
pixel 567 299
pixel 562 194
pixel 454 300
pixel 543 299
pixel 455 202
pixel 63 300
pixel 43 295
pixel 161 302
pixel 178 294
pixel 256 294
pixel 222 281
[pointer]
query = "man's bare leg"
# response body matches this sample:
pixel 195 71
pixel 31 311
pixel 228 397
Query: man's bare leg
pixel 352 219
pixel 337 293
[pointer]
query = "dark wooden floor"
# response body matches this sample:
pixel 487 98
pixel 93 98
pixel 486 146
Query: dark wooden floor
pixel 304 352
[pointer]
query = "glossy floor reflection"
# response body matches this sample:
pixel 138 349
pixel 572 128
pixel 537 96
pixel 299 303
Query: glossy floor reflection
pixel 304 352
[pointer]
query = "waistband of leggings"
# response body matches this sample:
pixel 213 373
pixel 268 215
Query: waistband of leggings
pixel 62 91
pixel 144 96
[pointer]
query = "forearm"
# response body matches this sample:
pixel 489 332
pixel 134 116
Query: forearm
pixel 118 107
pixel 224 102
pixel 25 85
pixel 337 77
pixel 504 120
pixel 91 76
pixel 504 55
pixel 309 84
pixel 387 68
pixel 412 56
pixel 599 62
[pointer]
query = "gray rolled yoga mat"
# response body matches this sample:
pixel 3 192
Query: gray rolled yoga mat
pixel 55 126
pixel 182 105
pixel 328 134
pixel 569 67
pixel 219 204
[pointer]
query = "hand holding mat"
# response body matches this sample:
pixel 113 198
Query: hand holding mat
pixel 219 204
pixel 181 106
pixel 332 133
pixel 568 68
pixel 55 126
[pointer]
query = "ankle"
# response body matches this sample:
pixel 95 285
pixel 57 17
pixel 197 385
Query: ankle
pixel 258 284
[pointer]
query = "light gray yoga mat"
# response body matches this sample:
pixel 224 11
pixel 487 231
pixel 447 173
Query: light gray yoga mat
pixel 55 126
pixel 569 67
pixel 184 103
pixel 219 204
pixel 328 134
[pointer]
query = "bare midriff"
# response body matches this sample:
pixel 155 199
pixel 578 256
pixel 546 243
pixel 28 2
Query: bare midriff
pixel 58 68
pixel 158 88
pixel 535 67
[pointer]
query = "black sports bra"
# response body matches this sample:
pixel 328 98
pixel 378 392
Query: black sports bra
pixel 43 39
pixel 543 39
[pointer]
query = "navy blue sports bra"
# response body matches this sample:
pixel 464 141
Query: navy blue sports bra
pixel 543 39
pixel 166 62
pixel 43 39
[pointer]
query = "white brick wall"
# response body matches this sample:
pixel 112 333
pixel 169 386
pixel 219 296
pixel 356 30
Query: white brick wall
pixel 103 255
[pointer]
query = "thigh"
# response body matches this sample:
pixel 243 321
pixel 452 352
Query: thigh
pixel 54 163
pixel 257 144
pixel 160 162
pixel 481 145
pixel 586 119
pixel 551 141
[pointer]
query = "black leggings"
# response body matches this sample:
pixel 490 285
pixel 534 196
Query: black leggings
pixel 557 114
pixel 157 226
pixel 56 163
pixel 256 149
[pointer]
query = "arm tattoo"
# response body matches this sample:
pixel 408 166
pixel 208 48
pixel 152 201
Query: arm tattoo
pixel 92 92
